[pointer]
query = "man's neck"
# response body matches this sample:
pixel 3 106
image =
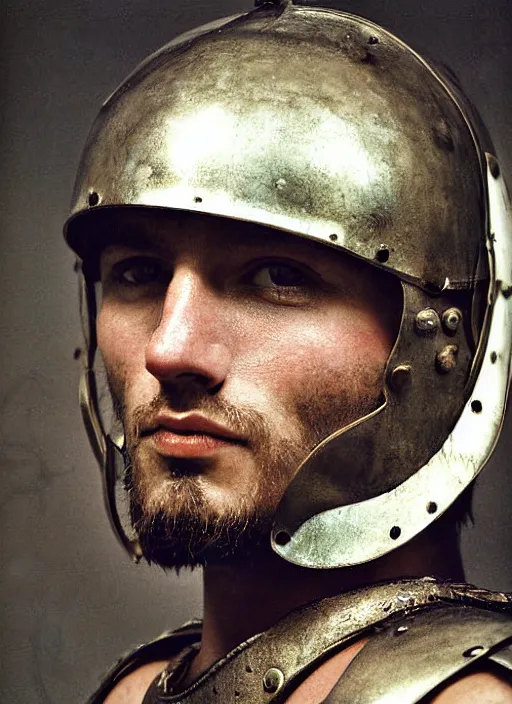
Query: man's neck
pixel 244 598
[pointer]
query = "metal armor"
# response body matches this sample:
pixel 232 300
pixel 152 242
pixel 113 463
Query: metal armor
pixel 423 633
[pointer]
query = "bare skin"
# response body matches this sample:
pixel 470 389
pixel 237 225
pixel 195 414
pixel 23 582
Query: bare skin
pixel 208 316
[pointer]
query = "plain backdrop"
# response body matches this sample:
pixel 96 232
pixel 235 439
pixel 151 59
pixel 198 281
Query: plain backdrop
pixel 71 601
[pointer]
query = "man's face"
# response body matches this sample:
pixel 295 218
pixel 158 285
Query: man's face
pixel 231 350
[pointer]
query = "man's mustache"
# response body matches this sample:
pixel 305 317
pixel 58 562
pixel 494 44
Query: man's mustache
pixel 240 421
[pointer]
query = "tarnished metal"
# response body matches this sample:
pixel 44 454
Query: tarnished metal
pixel 401 378
pixel 379 158
pixel 503 657
pixel 356 522
pixel 398 611
pixel 273 680
pixel 433 646
pixel 427 321
pixel 452 318
pixel 213 124
pixel 446 359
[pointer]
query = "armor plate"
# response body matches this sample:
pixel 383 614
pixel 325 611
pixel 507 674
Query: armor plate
pixel 456 625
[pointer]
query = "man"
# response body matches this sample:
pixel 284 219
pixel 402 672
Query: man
pixel 302 239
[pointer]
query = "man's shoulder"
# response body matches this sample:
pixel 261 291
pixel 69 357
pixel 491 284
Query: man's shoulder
pixel 133 687
pixel 478 688
pixel 132 674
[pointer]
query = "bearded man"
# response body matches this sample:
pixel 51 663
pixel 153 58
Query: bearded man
pixel 301 237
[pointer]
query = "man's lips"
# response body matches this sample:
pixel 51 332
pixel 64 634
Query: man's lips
pixel 189 436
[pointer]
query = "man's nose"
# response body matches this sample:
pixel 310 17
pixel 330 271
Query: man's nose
pixel 190 340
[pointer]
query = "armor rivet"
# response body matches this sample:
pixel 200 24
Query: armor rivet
pixel 333 237
pixel 273 680
pixel 446 359
pixel 77 353
pixel 401 629
pixel 494 167
pixel 476 406
pixel 400 377
pixel 494 357
pixel 280 184
pixel 373 40
pixel 93 199
pixel 451 320
pixel 382 254
pixel 474 651
pixel 427 321
pixel 431 507
pixel 395 532
pixel 248 668
pixel 282 538
pixel 198 199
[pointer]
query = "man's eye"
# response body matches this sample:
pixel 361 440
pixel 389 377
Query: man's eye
pixel 279 276
pixel 139 272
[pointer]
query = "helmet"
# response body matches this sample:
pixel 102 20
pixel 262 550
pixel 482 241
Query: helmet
pixel 324 125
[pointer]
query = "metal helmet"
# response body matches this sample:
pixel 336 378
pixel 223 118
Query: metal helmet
pixel 324 125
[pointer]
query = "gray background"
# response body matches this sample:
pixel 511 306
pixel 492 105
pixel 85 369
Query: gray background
pixel 71 601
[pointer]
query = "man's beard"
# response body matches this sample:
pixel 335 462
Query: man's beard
pixel 176 526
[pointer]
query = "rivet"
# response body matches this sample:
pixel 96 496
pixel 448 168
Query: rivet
pixel 248 668
pixel 474 651
pixel 395 532
pixel 93 198
pixel 280 184
pixel 451 320
pixel 446 359
pixel 273 680
pixel 401 629
pixel 373 40
pixel 400 377
pixel 282 538
pixel 333 237
pixel 77 353
pixel 198 199
pixel 427 322
pixel 382 254
pixel 431 507
pixel 476 406
pixel 494 357
pixel 494 167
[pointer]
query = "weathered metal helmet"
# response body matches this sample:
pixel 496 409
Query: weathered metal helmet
pixel 322 124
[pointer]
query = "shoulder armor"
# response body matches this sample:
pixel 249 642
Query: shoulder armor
pixel 166 646
pixel 411 657
pixel 269 666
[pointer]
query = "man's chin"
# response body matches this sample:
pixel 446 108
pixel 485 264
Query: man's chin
pixel 198 539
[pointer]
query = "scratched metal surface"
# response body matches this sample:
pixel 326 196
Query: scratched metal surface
pixel 65 586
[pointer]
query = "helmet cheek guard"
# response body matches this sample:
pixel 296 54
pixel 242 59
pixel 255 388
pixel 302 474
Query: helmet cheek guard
pixel 375 503
pixel 324 125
